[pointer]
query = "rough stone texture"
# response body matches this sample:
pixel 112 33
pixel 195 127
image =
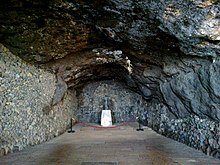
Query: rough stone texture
pixel 172 46
pixel 82 68
pixel 61 89
pixel 195 24
pixel 186 85
pixel 194 93
pixel 146 24
pixel 63 27
pixel 199 133
pixel 125 104
pixel 27 116
pixel 41 35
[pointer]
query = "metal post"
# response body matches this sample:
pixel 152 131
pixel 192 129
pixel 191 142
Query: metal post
pixel 71 127
pixel 139 121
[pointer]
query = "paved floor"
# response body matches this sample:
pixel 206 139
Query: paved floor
pixel 118 146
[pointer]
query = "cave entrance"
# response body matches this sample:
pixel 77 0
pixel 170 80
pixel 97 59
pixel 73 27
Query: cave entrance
pixel 125 105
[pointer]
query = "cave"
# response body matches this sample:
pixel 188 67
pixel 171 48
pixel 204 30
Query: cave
pixel 155 61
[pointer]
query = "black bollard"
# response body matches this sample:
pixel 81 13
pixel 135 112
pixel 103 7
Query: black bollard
pixel 71 127
pixel 139 121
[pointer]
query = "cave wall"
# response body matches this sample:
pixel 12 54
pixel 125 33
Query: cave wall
pixel 187 109
pixel 195 92
pixel 194 131
pixel 187 85
pixel 194 98
pixel 28 115
pixel 173 46
pixel 125 104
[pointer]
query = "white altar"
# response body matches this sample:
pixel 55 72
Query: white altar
pixel 106 118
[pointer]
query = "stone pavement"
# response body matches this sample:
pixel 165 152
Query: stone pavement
pixel 115 146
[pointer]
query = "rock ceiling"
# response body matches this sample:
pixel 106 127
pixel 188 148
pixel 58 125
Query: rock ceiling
pixel 165 50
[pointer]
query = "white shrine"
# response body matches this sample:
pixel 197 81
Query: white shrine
pixel 106 117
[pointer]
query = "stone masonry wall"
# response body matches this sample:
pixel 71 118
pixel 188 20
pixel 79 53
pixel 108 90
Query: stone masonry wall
pixel 200 133
pixel 124 104
pixel 27 116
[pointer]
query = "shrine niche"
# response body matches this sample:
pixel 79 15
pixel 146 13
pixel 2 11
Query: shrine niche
pixel 124 105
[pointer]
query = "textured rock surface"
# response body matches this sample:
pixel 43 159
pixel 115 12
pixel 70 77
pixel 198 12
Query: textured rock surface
pixel 42 35
pixel 195 92
pixel 124 104
pixel 147 24
pixel 60 90
pixel 60 28
pixel 27 116
pixel 202 134
pixel 82 68
pixel 168 51
pixel 194 23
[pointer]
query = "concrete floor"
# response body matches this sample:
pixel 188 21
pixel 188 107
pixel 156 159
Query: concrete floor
pixel 118 146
